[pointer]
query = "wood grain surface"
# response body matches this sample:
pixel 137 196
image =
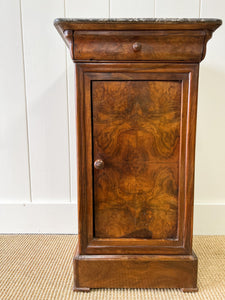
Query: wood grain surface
pixel 153 46
pixel 135 271
pixel 136 132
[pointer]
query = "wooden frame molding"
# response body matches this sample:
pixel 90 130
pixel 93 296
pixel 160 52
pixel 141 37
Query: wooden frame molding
pixel 187 74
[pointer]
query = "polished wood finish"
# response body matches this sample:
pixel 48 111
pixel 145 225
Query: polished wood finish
pixel 139 45
pixel 136 131
pixel 159 74
pixel 157 39
pixel 136 90
pixel 136 271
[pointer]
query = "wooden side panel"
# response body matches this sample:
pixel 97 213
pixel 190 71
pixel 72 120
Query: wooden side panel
pixel 136 132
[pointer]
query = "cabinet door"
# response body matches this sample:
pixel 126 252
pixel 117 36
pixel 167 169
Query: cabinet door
pixel 135 129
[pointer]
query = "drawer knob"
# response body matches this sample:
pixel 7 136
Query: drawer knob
pixel 99 164
pixel 136 47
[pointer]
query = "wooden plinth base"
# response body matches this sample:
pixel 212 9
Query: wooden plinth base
pixel 135 271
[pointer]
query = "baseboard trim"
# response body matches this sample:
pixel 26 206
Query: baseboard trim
pixel 53 218
pixel 61 218
pixel 209 219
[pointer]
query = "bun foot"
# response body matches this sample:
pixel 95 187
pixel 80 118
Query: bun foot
pixel 189 290
pixel 81 289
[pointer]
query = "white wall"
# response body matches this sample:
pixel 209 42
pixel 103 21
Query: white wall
pixel 37 122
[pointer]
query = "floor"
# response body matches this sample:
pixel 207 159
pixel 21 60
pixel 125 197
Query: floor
pixel 40 267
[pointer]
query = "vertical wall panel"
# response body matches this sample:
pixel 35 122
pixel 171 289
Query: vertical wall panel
pixel 177 8
pixel 132 8
pixel 210 154
pixel 45 67
pixel 14 170
pixel 77 9
pixel 87 8
pixel 72 126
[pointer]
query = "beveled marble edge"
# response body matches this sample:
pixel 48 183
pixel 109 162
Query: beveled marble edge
pixel 135 20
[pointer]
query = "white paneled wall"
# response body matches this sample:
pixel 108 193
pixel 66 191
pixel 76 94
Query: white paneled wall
pixel 14 156
pixel 210 156
pixel 177 8
pixel 37 112
pixel 132 9
pixel 46 89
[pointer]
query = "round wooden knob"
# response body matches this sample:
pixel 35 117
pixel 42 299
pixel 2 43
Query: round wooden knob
pixel 99 164
pixel 136 47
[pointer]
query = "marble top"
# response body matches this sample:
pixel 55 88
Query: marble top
pixel 137 20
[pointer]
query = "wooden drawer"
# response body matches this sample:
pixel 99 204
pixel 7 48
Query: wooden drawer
pixel 138 45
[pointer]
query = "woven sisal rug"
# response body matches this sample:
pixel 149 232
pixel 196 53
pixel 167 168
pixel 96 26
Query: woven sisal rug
pixel 40 267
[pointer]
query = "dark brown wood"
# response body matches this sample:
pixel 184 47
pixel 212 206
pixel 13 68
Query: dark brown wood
pixel 81 289
pixel 136 271
pixel 190 290
pixel 157 39
pixel 136 131
pixel 137 85
pixel 139 45
pixel 146 72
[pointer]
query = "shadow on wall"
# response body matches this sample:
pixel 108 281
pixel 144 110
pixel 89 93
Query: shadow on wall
pixel 210 144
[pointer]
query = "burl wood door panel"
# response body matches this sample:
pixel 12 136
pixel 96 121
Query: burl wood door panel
pixel 136 132
pixel 138 119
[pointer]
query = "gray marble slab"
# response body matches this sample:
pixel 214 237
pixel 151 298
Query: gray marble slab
pixel 137 20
